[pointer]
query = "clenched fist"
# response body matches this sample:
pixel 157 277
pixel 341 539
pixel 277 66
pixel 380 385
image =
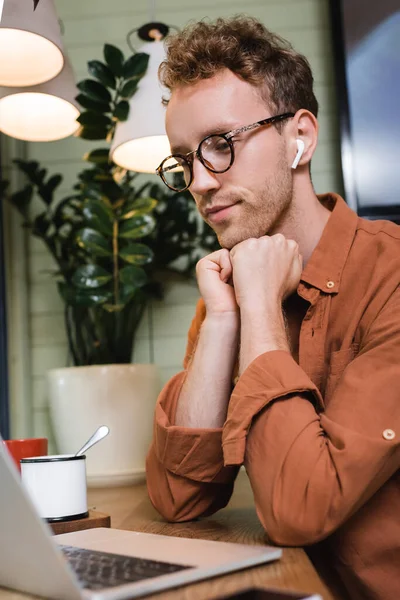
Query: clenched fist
pixel 213 274
pixel 265 271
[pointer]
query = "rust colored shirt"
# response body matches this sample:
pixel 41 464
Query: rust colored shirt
pixel 320 439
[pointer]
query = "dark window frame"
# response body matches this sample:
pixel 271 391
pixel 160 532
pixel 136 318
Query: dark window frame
pixel 349 184
pixel 390 212
pixel 4 375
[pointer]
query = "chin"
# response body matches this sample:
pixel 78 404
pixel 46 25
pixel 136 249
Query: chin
pixel 229 240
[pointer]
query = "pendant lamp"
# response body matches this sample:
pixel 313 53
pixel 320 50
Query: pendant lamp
pixel 140 143
pixel 41 113
pixel 31 50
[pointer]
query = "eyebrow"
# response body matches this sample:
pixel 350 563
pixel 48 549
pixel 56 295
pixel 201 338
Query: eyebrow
pixel 221 127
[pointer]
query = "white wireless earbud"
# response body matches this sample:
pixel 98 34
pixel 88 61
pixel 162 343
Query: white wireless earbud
pixel 300 150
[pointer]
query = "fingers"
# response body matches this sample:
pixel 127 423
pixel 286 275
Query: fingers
pixel 226 266
pixel 280 240
pixel 274 258
pixel 277 241
pixel 217 261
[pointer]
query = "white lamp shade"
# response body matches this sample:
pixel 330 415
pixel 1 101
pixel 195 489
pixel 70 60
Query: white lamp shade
pixel 140 143
pixel 41 113
pixel 30 43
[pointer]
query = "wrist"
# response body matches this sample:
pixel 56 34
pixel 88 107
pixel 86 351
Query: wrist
pixel 262 332
pixel 267 324
pixel 226 320
pixel 270 307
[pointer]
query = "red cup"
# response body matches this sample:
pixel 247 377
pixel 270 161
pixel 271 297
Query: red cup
pixel 26 448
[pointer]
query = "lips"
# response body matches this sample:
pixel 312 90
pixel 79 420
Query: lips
pixel 219 213
pixel 214 209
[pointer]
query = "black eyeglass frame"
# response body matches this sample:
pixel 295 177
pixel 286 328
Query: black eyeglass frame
pixel 190 156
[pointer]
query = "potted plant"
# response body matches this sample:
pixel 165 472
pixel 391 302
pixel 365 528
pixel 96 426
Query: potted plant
pixel 110 241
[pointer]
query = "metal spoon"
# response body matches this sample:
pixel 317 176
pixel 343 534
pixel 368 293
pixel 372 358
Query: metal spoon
pixel 98 435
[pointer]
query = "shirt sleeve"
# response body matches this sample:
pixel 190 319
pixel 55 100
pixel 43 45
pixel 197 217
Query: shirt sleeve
pixel 310 470
pixel 186 475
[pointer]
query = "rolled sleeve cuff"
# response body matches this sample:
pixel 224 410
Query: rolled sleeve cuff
pixel 273 375
pixel 192 453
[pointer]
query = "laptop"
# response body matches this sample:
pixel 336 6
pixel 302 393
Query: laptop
pixel 102 564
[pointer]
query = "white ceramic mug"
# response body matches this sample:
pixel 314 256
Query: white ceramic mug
pixel 57 486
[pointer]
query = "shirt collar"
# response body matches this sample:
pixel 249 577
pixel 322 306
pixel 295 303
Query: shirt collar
pixel 324 269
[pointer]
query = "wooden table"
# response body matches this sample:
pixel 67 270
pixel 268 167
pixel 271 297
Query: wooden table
pixel 130 508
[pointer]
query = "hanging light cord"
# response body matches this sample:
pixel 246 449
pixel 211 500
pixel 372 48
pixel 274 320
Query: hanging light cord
pixel 152 10
pixel 152 31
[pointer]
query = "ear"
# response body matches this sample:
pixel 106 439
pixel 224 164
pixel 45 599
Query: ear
pixel 303 133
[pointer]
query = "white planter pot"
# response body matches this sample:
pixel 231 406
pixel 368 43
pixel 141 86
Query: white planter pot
pixel 122 397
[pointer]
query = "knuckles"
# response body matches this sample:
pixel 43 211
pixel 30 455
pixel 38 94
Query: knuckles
pixel 265 243
pixel 219 256
pixel 278 238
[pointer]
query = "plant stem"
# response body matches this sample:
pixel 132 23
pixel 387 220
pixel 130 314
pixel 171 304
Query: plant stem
pixel 115 261
pixel 71 344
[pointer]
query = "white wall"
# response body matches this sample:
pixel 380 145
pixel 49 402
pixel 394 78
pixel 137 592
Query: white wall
pixel 90 23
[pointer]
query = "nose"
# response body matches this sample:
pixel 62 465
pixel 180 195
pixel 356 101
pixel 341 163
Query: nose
pixel 204 181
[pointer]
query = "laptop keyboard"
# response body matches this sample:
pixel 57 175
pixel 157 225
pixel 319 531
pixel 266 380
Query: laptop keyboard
pixel 98 570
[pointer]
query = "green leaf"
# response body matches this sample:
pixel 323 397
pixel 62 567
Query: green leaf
pixel 101 72
pixel 90 277
pixel 40 175
pixel 77 297
pixel 138 207
pixel 99 216
pixel 92 119
pixel 133 276
pixel 121 111
pixel 53 182
pixel 86 102
pixel 29 167
pixel 22 199
pixel 95 90
pixel 126 293
pixel 129 88
pixel 41 225
pixel 93 242
pixel 67 209
pixel 137 227
pixel 135 65
pixel 3 186
pixel 137 254
pixel 46 190
pixel 99 156
pixel 112 190
pixel 92 133
pixel 114 59
pixel 113 308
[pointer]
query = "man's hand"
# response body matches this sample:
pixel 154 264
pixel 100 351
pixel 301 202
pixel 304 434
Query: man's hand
pixel 213 274
pixel 204 397
pixel 265 271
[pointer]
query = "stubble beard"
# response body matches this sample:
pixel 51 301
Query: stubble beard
pixel 265 215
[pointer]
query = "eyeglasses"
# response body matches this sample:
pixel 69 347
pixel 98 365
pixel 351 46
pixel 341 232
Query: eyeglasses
pixel 216 152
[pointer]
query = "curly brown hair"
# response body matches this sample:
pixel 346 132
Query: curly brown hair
pixel 246 47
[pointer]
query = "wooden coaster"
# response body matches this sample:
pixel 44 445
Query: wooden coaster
pixel 95 519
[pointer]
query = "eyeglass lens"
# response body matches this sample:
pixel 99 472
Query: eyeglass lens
pixel 215 153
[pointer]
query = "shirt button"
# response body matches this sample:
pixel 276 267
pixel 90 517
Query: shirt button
pixel 330 284
pixel 389 434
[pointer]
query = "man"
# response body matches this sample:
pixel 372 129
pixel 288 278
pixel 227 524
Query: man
pixel 293 359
